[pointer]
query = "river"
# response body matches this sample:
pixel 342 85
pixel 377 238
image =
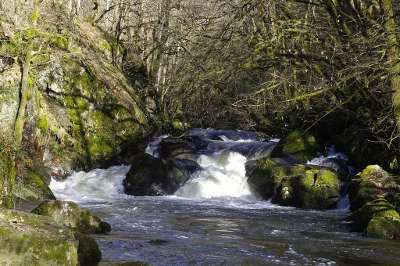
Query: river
pixel 214 219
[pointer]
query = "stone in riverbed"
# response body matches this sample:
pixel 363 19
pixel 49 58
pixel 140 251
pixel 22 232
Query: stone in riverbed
pixel 69 214
pixel 372 183
pixel 378 218
pixel 294 185
pixel 155 177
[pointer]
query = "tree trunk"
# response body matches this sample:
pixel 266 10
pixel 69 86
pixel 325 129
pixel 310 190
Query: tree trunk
pixel 24 91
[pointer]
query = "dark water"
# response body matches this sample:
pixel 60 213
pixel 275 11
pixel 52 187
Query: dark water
pixel 171 231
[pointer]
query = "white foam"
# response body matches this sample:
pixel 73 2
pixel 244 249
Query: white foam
pixel 222 175
pixel 96 185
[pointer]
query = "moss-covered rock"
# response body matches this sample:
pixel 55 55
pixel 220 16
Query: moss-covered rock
pixel 294 185
pixel 27 239
pixel 88 250
pixel 69 214
pixel 378 218
pixel 372 183
pixel 301 146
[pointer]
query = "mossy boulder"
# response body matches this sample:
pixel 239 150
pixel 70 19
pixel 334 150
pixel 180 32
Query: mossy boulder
pixel 28 239
pixel 294 185
pixel 69 214
pixel 372 183
pixel 88 250
pixel 298 145
pixel 378 218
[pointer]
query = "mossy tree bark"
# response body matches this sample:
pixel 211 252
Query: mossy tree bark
pixel 393 56
pixel 24 89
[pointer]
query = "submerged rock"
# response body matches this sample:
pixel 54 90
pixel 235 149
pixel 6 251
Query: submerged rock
pixel 28 239
pixel 294 185
pixel 69 214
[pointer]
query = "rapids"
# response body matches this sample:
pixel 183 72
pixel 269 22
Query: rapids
pixel 214 219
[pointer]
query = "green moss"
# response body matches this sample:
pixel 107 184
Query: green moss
pixel 60 41
pixel 371 216
pixel 303 147
pixel 39 187
pixel 381 227
pixel 69 214
pixel 42 124
pixel 294 185
pixel 27 239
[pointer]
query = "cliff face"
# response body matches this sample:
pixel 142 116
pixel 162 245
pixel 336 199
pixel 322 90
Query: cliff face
pixel 81 108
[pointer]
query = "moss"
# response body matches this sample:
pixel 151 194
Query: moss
pixel 27 239
pixel 59 41
pixel 39 187
pixel 294 185
pixel 42 123
pixel 370 184
pixel 378 218
pixel 321 194
pixel 302 147
pixel 381 227
pixel 69 214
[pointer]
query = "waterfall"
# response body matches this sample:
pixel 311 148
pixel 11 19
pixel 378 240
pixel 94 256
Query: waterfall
pixel 222 175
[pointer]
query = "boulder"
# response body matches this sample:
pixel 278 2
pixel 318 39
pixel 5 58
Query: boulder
pixel 69 214
pixel 372 183
pixel 29 239
pixel 294 185
pixel 153 176
pixel 378 218
pixel 302 147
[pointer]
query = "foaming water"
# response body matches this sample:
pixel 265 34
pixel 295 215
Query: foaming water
pixel 222 175
pixel 96 185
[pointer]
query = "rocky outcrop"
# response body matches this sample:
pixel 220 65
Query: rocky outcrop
pixel 82 110
pixel 28 239
pixel 69 214
pixel 294 185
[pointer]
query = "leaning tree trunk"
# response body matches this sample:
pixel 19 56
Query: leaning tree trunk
pixel 393 56
pixel 24 90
